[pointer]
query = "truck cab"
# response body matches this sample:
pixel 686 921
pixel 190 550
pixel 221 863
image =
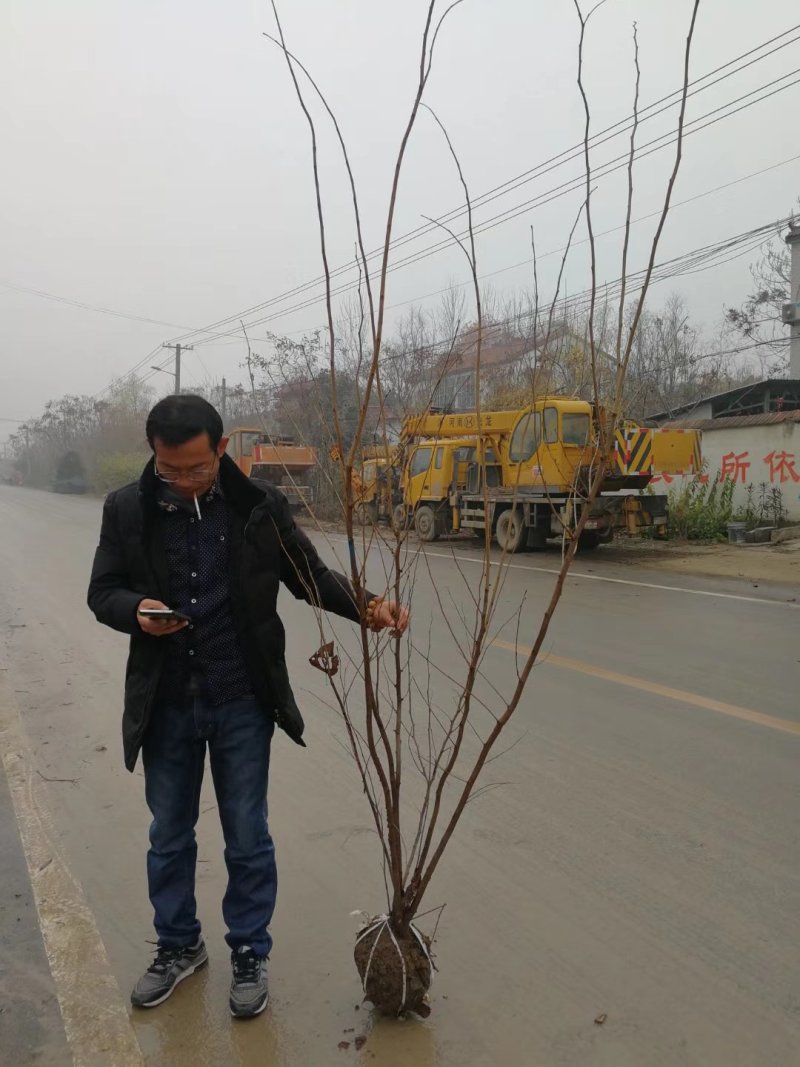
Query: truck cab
pixel 434 474
pixel 551 442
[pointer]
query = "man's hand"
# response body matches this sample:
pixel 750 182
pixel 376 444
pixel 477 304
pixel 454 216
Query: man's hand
pixel 158 627
pixel 390 614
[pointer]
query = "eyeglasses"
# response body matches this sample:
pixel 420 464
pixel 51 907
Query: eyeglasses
pixel 198 474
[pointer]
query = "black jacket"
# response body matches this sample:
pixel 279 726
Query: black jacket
pixel 266 547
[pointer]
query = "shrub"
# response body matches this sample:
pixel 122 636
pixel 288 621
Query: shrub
pixel 118 469
pixel 702 509
pixel 765 508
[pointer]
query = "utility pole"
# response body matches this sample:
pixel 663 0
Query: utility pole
pixel 178 349
pixel 790 313
pixel 223 401
pixel 27 430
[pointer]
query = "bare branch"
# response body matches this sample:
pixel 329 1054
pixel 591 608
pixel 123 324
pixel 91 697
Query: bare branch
pixel 629 208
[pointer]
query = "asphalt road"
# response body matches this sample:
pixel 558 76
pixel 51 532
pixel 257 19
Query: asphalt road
pixel 638 858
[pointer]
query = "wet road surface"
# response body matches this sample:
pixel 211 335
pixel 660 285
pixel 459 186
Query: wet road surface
pixel 640 860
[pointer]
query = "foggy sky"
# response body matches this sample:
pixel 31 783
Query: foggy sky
pixel 156 162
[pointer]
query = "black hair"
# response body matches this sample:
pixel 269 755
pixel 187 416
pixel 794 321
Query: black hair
pixel 177 419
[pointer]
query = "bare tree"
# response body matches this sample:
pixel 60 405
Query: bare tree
pixel 421 735
pixel 759 318
pixel 666 361
pixel 104 434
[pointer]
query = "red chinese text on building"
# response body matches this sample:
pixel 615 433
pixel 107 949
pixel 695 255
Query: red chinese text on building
pixel 782 467
pixel 735 466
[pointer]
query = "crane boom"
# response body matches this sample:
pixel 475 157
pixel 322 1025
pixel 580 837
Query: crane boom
pixel 459 425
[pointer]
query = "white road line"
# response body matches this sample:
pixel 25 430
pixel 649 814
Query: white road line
pixel 95 1017
pixel 605 578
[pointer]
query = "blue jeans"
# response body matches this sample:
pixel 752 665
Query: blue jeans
pixel 238 735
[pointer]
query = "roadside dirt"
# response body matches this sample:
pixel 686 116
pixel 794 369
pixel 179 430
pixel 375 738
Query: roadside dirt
pixel 766 563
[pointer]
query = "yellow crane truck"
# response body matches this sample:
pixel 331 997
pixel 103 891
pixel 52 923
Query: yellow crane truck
pixel 525 473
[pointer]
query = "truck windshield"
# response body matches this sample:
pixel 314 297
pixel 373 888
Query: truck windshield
pixel 250 438
pixel 575 429
pixel 525 438
pixel 421 461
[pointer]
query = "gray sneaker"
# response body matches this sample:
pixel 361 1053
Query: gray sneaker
pixel 249 992
pixel 170 966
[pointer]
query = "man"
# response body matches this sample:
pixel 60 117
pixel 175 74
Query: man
pixel 198 537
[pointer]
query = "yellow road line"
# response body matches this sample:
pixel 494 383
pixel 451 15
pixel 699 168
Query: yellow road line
pixel 681 696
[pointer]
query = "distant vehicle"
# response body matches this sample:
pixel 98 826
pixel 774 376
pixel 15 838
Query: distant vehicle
pixel 276 459
pixel 70 475
pixel 376 486
pixel 9 474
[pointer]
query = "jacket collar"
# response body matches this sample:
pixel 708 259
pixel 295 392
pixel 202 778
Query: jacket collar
pixel 239 491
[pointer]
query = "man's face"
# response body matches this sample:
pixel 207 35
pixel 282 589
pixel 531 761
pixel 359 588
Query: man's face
pixel 189 468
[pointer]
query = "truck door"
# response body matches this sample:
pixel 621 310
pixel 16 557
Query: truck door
pixel 523 465
pixel 550 457
pixel 418 485
pixel 441 475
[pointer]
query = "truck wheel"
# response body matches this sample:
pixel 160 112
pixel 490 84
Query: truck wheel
pixel 511 533
pixel 425 524
pixel 588 541
pixel 361 513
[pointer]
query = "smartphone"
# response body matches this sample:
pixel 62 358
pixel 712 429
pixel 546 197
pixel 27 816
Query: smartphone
pixel 163 613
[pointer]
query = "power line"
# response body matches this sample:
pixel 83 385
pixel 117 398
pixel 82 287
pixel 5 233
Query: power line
pixel 573 185
pixel 121 379
pixel 99 309
pixel 89 307
pixel 605 169
pixel 603 233
pixel 558 251
pixel 694 261
pixel 705 257
pixel 550 164
pixel 663 271
pixel 759 232
pixel 745 60
pixel 151 372
pixel 85 306
pixel 540 169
